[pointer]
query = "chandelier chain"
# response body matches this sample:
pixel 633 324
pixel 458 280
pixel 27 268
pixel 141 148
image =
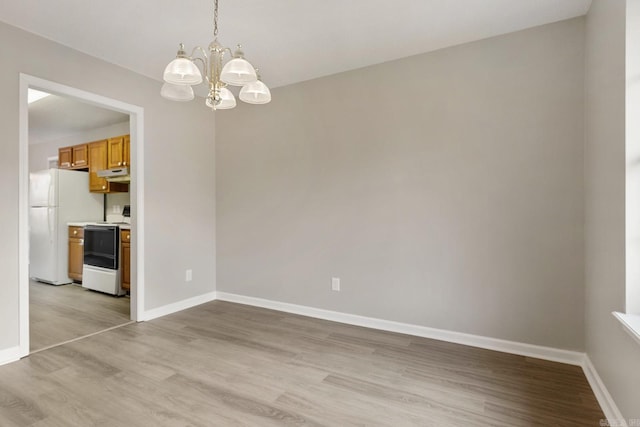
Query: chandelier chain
pixel 215 19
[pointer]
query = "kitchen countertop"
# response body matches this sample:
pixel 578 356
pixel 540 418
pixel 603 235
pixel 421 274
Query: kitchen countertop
pixel 83 224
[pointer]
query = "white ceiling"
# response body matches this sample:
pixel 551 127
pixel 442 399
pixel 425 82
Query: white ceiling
pixel 289 40
pixel 56 117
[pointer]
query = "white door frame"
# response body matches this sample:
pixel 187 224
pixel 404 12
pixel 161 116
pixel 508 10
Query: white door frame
pixel 136 124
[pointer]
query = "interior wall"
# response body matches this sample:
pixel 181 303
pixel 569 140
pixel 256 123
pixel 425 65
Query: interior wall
pixel 632 148
pixel 116 202
pixel 614 354
pixel 179 208
pixel 39 151
pixel 445 190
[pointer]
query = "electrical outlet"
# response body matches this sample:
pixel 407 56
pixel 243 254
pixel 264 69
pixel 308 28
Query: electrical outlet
pixel 335 284
pixel 188 275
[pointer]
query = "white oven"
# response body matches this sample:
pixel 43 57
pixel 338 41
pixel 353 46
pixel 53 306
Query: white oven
pixel 101 265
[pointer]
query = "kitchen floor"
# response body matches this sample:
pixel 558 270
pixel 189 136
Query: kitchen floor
pixel 61 313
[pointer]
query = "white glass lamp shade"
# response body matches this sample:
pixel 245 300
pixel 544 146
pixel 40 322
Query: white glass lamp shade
pixel 182 71
pixel 177 92
pixel 255 93
pixel 225 97
pixel 238 72
pixel 228 101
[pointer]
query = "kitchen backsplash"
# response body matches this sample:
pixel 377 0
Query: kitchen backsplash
pixel 115 204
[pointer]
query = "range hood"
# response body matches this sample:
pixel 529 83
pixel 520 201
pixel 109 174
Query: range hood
pixel 115 175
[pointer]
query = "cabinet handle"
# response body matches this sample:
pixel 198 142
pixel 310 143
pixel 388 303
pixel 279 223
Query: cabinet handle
pixel 73 164
pixel 124 163
pixel 104 187
pixel 75 231
pixel 128 236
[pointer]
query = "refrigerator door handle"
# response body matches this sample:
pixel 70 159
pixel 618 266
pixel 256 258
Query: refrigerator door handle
pixel 49 225
pixel 49 191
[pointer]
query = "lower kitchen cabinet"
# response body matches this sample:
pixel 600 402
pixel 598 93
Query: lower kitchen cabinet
pixel 76 252
pixel 125 259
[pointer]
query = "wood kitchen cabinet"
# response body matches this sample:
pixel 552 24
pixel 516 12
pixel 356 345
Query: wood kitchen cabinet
pixel 118 149
pixel 99 160
pixel 76 252
pixel 127 151
pixel 65 157
pixel 125 259
pixel 74 157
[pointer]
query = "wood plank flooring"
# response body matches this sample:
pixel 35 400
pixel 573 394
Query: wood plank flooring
pixel 224 364
pixel 60 313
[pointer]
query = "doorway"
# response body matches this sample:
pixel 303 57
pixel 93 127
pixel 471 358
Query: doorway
pixel 135 129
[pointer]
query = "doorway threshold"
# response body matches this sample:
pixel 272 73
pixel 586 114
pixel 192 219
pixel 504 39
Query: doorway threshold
pixel 81 338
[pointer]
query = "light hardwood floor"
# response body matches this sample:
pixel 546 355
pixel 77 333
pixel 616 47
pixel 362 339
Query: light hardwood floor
pixel 61 313
pixel 224 364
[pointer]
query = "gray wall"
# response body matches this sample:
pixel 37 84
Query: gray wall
pixel 614 354
pixel 444 189
pixel 177 136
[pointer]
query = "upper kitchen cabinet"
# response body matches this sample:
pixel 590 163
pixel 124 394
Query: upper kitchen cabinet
pixel 127 150
pixel 65 156
pixel 99 160
pixel 75 157
pixel 118 152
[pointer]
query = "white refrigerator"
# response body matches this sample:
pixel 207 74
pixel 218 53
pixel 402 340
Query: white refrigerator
pixel 56 197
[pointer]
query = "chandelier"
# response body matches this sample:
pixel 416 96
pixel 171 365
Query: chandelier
pixel 183 72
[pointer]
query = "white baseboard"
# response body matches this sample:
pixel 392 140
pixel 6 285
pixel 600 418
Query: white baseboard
pixel 605 400
pixel 523 349
pixel 9 355
pixel 178 306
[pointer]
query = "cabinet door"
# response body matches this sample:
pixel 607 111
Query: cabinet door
pixel 97 161
pixel 65 156
pixel 80 159
pixel 115 152
pixel 126 266
pixel 76 248
pixel 125 259
pixel 127 151
pixel 76 253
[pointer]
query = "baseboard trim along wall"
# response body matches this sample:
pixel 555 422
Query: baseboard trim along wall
pixel 605 400
pixel 540 352
pixel 178 306
pixel 522 349
pixel 9 355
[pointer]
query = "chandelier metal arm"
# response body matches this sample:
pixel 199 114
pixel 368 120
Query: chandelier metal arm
pixel 201 50
pixel 204 59
pixel 204 65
